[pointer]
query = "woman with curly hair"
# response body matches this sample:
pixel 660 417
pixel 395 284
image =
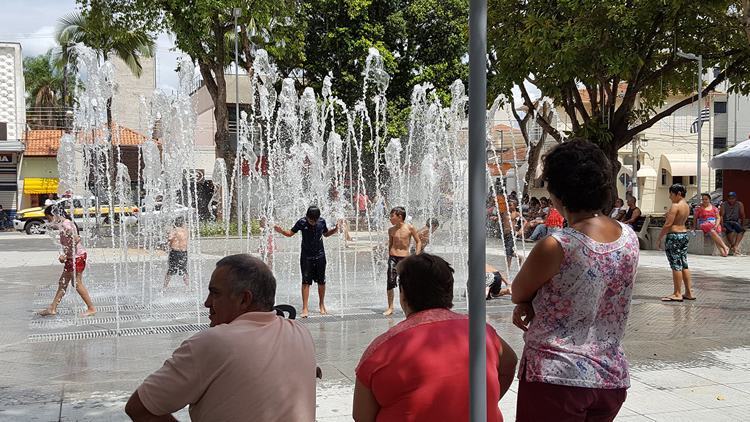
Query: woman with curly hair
pixel 573 297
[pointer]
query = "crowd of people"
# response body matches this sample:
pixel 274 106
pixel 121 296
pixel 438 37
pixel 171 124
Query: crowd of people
pixel 572 301
pixel 572 297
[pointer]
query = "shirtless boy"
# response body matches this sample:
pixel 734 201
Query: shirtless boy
pixel 676 245
pixel 399 238
pixel 178 256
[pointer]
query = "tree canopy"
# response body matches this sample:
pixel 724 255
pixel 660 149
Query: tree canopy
pixel 621 53
pixel 420 41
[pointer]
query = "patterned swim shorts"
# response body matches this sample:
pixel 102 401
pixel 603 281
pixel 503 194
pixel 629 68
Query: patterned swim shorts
pixel 676 247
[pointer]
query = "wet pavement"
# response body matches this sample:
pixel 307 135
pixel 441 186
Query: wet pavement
pixel 690 360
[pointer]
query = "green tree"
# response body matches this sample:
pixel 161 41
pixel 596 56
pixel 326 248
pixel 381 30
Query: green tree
pixel 204 30
pixel 420 41
pixel 622 53
pixel 96 29
pixel 44 84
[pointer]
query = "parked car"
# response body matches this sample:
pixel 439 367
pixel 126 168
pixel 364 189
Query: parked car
pixel 162 215
pixel 32 221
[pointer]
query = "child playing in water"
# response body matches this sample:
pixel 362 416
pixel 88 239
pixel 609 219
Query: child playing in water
pixel 399 238
pixel 73 256
pixel 425 234
pixel 178 256
pixel 312 258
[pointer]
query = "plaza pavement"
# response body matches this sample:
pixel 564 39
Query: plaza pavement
pixel 690 361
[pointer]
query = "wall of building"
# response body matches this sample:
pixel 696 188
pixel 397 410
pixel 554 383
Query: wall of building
pixel 738 119
pixel 126 102
pixel 35 167
pixel 13 117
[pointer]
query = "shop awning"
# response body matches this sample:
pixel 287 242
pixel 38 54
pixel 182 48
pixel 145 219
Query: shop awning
pixel 644 171
pixel 737 158
pixel 682 164
pixel 39 185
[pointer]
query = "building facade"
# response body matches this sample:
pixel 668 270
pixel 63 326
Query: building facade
pixel 12 123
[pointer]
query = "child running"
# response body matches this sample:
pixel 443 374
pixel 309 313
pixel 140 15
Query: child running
pixel 178 252
pixel 399 238
pixel 73 258
pixel 312 258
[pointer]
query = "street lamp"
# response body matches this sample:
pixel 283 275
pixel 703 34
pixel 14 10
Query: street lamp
pixel 699 59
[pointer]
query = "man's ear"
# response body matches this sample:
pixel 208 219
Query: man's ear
pixel 247 298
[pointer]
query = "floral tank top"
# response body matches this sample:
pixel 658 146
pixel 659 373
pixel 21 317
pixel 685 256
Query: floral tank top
pixel 575 338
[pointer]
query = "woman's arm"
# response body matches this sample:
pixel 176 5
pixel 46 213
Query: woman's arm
pixel 542 264
pixel 365 406
pixel 506 368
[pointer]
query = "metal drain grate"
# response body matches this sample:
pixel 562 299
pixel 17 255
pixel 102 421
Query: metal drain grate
pixel 124 332
pixel 75 322
pixel 175 328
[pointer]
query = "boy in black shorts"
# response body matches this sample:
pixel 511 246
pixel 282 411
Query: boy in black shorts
pixel 399 239
pixel 312 258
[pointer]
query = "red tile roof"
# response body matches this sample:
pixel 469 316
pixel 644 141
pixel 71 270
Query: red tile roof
pixel 44 143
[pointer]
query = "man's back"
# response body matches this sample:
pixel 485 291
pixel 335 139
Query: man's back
pixel 681 212
pixel 259 367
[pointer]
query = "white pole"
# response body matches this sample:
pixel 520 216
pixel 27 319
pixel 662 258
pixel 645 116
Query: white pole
pixel 700 122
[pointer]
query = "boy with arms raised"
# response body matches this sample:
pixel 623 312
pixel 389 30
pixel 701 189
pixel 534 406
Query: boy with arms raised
pixel 312 258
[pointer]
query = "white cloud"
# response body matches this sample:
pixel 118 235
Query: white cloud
pixel 38 42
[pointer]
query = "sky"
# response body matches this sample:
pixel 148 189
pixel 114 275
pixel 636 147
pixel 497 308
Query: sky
pixel 33 22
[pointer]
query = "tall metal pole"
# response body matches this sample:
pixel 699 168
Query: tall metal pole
pixel 236 13
pixel 477 191
pixel 700 121
pixel 634 179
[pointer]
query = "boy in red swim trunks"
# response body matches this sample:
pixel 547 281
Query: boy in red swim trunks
pixel 74 259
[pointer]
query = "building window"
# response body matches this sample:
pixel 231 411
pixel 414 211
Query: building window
pixel 720 107
pixel 3 131
pixel 678 179
pixel 664 177
pixel 720 142
pixel 692 180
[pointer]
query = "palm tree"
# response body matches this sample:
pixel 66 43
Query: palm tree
pixel 65 58
pixel 43 86
pixel 98 32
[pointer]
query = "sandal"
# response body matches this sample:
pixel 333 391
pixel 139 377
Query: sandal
pixel 688 297
pixel 670 299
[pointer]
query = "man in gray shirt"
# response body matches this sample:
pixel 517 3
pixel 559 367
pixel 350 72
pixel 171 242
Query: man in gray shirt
pixel 733 218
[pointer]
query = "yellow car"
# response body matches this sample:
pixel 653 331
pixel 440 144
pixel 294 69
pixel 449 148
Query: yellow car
pixel 32 220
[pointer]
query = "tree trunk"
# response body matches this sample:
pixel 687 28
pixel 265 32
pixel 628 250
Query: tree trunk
pixel 746 18
pixel 535 152
pixel 213 77
pixel 610 150
pixel 64 96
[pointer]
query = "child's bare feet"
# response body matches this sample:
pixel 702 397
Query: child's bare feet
pixel 323 310
pixel 304 313
pixel 89 312
pixel 46 312
pixel 388 312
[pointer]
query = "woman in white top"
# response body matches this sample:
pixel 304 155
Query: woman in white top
pixel 618 211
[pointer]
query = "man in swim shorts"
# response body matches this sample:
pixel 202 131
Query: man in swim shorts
pixel 676 244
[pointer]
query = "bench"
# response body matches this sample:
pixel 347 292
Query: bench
pixel 641 229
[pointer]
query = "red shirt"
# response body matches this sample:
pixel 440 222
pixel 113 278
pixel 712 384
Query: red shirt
pixel 419 369
pixel 554 219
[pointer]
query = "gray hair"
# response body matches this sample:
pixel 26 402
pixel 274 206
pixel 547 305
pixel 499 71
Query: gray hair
pixel 249 273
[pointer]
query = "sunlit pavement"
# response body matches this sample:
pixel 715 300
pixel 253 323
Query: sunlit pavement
pixel 690 361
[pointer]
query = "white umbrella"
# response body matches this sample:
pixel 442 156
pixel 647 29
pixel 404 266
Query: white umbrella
pixel 737 158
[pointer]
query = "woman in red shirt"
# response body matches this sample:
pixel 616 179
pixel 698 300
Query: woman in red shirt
pixel 709 221
pixel 419 369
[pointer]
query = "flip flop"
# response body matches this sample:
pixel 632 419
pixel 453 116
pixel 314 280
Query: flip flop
pixel 688 298
pixel 670 299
